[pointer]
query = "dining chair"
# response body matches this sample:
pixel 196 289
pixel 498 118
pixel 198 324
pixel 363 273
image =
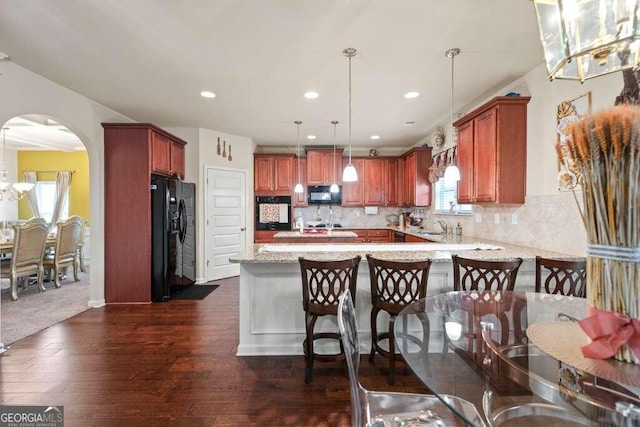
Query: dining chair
pixel 487 278
pixel 378 408
pixel 394 285
pixel 322 284
pixel 564 277
pixel 29 242
pixel 81 246
pixel 66 248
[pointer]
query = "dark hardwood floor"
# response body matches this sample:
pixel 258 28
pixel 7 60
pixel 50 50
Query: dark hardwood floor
pixel 174 363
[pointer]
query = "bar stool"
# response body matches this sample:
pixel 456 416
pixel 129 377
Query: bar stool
pixel 564 277
pixel 394 285
pixel 486 277
pixel 322 284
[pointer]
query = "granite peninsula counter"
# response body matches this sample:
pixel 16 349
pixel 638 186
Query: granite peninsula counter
pixel 271 316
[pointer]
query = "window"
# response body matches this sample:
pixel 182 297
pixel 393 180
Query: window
pixel 445 196
pixel 46 192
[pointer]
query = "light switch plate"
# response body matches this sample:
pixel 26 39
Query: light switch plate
pixel 478 218
pixel 514 218
pixel 496 218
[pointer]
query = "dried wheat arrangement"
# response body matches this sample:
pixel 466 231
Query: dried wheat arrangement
pixel 606 148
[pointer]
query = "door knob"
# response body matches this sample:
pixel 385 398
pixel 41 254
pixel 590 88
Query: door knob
pixel 243 229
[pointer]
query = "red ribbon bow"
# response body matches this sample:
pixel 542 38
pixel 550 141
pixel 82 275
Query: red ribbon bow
pixel 608 331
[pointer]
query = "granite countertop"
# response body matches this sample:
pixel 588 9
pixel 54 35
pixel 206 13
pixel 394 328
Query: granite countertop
pixel 260 254
pixel 314 233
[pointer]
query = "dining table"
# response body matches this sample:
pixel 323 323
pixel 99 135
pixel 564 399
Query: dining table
pixel 517 356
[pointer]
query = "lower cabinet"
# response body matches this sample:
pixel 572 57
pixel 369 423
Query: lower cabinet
pixel 413 239
pixel 372 235
pixel 264 236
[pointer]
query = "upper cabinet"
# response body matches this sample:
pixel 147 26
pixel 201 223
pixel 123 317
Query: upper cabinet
pixel 492 152
pixel 167 155
pixel 323 166
pixel 273 174
pixel 415 171
pixel 353 192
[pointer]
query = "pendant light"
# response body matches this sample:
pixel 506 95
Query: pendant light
pixel 349 174
pixel 298 188
pixel 334 187
pixel 452 173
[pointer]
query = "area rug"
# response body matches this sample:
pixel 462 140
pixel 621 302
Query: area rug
pixel 34 311
pixel 193 292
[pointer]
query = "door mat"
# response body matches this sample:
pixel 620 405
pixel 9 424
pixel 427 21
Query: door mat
pixel 193 292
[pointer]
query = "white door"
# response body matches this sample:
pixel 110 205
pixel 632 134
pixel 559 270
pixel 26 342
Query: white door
pixel 225 225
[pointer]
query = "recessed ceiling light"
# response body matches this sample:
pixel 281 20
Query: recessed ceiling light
pixel 412 94
pixel 207 94
pixel 311 95
pixel 311 137
pixel 375 136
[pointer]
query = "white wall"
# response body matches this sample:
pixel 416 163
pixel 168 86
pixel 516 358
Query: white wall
pixel 25 92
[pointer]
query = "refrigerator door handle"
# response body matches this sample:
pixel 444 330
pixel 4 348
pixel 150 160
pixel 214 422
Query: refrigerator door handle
pixel 182 221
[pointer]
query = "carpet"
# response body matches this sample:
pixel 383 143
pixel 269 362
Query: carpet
pixel 34 311
pixel 193 292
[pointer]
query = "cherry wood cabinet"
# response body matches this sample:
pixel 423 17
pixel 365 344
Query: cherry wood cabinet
pixel 492 152
pixel 167 155
pixel 408 238
pixel 323 166
pixel 374 182
pixel 353 192
pixel 132 152
pixel 372 235
pixel 264 236
pixel 273 174
pixel 300 199
pixel 393 182
pixel 416 185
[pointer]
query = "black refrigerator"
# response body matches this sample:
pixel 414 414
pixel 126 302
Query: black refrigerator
pixel 173 241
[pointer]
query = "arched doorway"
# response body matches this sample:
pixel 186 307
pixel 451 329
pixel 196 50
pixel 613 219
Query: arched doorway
pixel 42 145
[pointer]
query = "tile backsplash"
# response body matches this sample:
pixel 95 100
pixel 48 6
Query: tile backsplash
pixel 550 222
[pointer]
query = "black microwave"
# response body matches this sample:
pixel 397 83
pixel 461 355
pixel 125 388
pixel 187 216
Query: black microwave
pixel 321 195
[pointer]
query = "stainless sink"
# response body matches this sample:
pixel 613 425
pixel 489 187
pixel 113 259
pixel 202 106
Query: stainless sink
pixel 429 232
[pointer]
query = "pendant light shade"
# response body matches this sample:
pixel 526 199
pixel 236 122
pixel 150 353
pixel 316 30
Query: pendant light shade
pixel 334 187
pixel 298 188
pixel 349 174
pixel 452 173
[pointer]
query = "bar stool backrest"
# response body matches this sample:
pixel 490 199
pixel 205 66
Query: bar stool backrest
pixel 564 277
pixel 482 275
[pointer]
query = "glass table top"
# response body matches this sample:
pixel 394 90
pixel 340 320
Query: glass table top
pixel 479 350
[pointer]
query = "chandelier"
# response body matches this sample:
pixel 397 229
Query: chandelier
pixel 12 191
pixel 583 39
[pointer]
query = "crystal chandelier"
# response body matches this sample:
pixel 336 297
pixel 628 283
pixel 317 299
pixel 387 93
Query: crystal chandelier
pixel 12 191
pixel 588 38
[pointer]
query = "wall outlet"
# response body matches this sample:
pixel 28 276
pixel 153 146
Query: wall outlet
pixel 514 218
pixel 496 218
pixel 478 218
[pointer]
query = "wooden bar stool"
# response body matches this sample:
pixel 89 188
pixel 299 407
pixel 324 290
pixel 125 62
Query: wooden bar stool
pixel 394 285
pixel 322 284
pixel 486 277
pixel 564 277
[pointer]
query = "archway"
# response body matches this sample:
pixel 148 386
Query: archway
pixel 43 145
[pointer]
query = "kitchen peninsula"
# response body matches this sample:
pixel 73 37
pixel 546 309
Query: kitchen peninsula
pixel 315 235
pixel 271 315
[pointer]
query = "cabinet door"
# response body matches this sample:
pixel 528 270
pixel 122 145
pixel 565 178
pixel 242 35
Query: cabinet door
pixel 263 173
pixel 484 163
pixel 177 160
pixel 300 199
pixel 160 154
pixel 332 167
pixel 353 192
pixel 465 163
pixel 283 175
pixel 374 182
pixel 315 167
pixel 413 239
pixel 264 236
pixel 393 187
pixel 378 236
pixel 409 179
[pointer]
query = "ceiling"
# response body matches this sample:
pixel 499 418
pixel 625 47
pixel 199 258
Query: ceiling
pixel 150 59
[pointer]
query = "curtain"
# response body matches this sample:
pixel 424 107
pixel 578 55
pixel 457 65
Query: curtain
pixel 440 163
pixel 63 182
pixel 32 196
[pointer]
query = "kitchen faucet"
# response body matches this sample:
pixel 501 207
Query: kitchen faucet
pixel 443 225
